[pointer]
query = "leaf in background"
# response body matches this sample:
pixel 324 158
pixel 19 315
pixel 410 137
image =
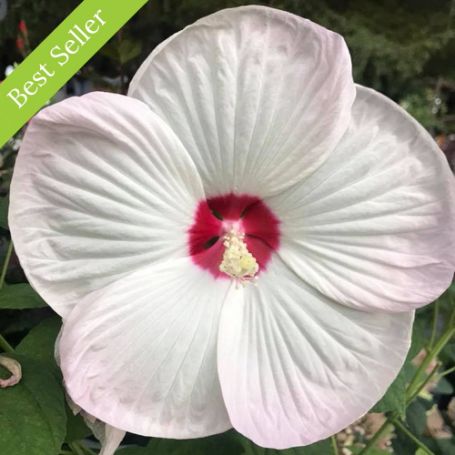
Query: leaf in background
pixel 122 51
pixel 443 387
pixel 402 445
pixel 76 429
pixel 416 418
pixel 445 446
pixel 395 397
pixel 32 413
pixel 419 338
pixel 448 353
pixel 439 446
pixel 446 302
pixel 40 341
pixel 133 451
pixel 129 49
pixel 4 204
pixel 19 297
pixel 221 444
pixel 320 448
pixel 229 443
pixel 373 451
pixel 39 345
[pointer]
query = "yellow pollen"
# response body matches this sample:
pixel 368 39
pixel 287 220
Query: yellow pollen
pixel 237 261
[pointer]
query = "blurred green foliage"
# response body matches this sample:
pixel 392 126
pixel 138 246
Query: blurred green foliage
pixel 403 48
pixel 395 44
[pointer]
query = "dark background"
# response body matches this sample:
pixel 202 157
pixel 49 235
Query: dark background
pixel 404 48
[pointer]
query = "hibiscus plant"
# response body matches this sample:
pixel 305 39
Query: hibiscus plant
pixel 236 251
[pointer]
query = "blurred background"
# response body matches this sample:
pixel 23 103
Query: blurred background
pixel 403 48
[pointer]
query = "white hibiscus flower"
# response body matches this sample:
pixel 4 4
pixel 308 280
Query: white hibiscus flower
pixel 244 153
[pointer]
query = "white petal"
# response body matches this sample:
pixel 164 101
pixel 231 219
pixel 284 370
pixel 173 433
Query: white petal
pixel 109 437
pixel 101 186
pixel 374 227
pixel 258 96
pixel 112 440
pixel 141 354
pixel 296 367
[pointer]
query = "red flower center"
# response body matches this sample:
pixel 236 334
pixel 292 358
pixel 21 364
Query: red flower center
pixel 217 216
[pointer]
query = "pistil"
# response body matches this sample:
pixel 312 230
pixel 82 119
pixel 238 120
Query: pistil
pixel 237 261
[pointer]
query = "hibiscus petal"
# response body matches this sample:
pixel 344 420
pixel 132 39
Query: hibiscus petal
pixel 140 355
pixel 113 437
pixel 109 437
pixel 101 186
pixel 374 227
pixel 296 367
pixel 259 97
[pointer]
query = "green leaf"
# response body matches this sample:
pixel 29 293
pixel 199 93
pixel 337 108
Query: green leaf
pixel 122 51
pixel 416 418
pixel 373 451
pixel 320 448
pixel 32 413
pixel 402 445
pixel 445 446
pixel 444 387
pixel 39 344
pixel 229 443
pixel 221 444
pixel 419 336
pixel 395 397
pixel 20 297
pixel 40 341
pixel 129 49
pixel 4 204
pixel 448 353
pixel 133 451
pixel 76 429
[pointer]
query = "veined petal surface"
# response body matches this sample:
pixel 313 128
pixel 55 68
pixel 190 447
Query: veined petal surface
pixel 259 97
pixel 374 227
pixel 101 187
pixel 140 355
pixel 296 367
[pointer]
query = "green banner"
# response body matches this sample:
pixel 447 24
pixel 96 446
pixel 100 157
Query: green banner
pixel 58 58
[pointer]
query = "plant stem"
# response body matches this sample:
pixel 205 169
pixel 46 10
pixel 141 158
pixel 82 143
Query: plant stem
pixel 334 445
pixel 408 433
pixel 422 385
pixel 6 263
pixel 385 428
pixel 446 372
pixel 445 338
pixel 452 317
pixel 416 385
pixel 434 327
pixel 5 345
